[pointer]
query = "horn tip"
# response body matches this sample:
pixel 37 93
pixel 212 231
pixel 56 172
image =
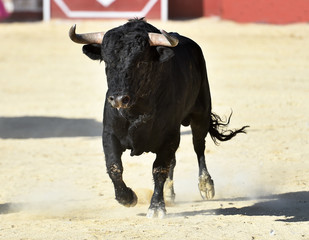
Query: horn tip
pixel 73 28
pixel 72 31
pixel 173 41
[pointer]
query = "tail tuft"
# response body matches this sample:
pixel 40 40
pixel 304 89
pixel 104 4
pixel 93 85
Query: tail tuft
pixel 218 129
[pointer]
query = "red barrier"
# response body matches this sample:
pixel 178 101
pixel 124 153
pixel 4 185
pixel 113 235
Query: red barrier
pixel 266 11
pixel 212 7
pixel 185 9
pixel 106 9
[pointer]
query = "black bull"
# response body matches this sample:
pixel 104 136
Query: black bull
pixel 156 83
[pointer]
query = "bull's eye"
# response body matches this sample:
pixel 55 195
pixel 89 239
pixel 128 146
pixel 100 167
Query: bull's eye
pixel 125 100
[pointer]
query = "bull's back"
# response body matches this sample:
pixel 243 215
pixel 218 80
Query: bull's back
pixel 189 78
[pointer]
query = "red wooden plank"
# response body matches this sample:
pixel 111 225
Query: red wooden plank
pixel 267 11
pixel 81 9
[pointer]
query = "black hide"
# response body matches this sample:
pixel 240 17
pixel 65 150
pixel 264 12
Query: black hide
pixel 167 87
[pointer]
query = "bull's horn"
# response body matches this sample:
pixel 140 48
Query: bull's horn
pixel 86 38
pixel 164 39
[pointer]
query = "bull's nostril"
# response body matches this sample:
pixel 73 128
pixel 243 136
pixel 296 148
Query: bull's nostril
pixel 125 100
pixel 119 101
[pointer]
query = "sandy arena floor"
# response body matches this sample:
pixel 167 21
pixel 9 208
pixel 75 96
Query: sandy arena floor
pixel 52 172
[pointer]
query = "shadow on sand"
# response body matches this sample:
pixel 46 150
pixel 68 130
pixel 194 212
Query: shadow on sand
pixel 290 207
pixel 48 127
pixel 51 127
pixel 7 208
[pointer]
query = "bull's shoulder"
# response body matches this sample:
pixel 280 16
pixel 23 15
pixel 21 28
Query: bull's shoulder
pixel 188 47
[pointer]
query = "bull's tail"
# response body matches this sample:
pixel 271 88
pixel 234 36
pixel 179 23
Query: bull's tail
pixel 218 129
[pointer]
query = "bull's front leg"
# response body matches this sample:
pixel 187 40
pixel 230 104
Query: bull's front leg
pixel 169 193
pixel 157 204
pixel 160 172
pixel 113 152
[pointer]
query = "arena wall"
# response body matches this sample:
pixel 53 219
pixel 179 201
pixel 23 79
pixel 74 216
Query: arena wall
pixel 261 11
pixel 97 9
pixel 266 11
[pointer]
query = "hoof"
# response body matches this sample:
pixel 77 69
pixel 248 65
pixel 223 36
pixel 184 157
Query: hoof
pixel 128 200
pixel 133 202
pixel 206 186
pixel 156 213
pixel 169 194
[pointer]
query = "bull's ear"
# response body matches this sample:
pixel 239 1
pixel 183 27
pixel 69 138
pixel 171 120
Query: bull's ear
pixel 165 53
pixel 93 51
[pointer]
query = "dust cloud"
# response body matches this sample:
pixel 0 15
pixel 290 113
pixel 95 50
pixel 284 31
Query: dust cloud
pixel 52 199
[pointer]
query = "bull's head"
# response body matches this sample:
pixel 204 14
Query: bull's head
pixel 129 57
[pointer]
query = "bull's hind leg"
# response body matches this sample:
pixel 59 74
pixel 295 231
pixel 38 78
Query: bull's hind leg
pixel 200 128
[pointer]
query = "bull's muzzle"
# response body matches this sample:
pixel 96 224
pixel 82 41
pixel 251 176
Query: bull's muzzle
pixel 122 101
